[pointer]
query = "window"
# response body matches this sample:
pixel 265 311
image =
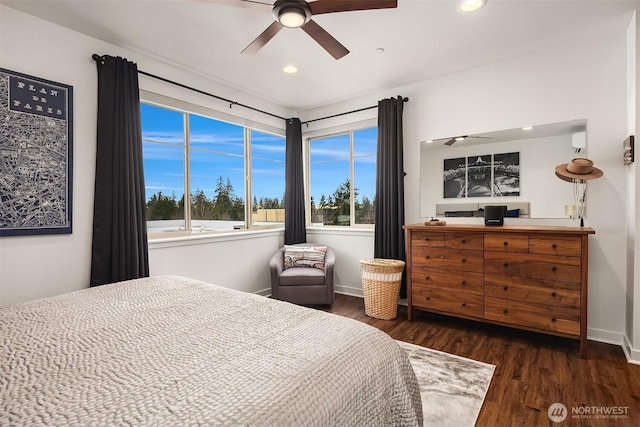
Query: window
pixel 268 173
pixel 187 153
pixel 342 178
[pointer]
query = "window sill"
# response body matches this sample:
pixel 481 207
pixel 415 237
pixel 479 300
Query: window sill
pixel 203 239
pixel 342 231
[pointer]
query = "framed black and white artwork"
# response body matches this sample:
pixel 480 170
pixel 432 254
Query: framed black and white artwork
pixel 479 176
pixel 454 178
pixel 506 174
pixel 36 141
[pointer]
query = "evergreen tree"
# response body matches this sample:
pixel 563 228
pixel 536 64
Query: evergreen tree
pixel 161 207
pixel 201 207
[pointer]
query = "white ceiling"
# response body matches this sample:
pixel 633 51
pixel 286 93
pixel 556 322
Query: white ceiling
pixel 421 39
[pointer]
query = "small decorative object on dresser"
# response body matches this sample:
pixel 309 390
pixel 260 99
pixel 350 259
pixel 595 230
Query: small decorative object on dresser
pixel 628 150
pixel 526 277
pixel 435 221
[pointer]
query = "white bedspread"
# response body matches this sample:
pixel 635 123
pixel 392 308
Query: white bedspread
pixel 170 351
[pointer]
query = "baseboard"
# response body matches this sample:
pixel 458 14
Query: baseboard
pixel 264 292
pixel 349 290
pixel 604 336
pixel 633 356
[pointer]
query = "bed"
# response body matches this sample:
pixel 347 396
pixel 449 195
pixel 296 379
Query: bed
pixel 168 350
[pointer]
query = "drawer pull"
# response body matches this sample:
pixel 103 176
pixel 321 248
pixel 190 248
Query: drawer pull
pixel 553 294
pixel 506 288
pixel 427 298
pixel 464 304
pixel 505 243
pixel 463 241
pixel 463 260
pixel 427 278
pixel 554 246
pixel 464 282
pixel 506 264
pixel 505 311
pixel 427 256
pixel 427 239
pixel 553 269
pixel 553 319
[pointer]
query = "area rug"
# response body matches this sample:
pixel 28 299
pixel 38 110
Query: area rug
pixel 453 388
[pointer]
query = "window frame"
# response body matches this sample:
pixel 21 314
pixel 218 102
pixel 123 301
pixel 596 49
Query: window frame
pixel 186 109
pixel 349 129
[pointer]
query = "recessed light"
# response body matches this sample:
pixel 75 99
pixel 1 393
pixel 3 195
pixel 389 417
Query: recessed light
pixel 527 128
pixel 290 69
pixel 460 138
pixel 470 5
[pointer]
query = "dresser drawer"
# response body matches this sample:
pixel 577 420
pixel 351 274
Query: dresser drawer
pixel 555 245
pixel 464 240
pixel 535 266
pixel 451 259
pixel 456 281
pixel 514 243
pixel 444 301
pixel 559 294
pixel 541 317
pixel 427 238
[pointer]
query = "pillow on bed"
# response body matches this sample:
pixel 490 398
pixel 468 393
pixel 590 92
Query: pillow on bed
pixel 304 256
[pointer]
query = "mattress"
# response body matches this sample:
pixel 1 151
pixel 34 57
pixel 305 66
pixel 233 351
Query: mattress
pixel 169 350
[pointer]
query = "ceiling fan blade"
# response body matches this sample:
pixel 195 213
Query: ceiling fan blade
pixel 249 4
pixel 325 39
pixel 450 142
pixel 263 38
pixel 329 6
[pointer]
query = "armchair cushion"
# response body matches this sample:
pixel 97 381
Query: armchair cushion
pixel 302 276
pixel 304 256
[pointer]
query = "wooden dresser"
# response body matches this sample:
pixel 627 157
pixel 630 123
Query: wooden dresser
pixel 526 277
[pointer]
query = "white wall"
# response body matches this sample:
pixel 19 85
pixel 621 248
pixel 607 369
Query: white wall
pixel 583 81
pixel 40 266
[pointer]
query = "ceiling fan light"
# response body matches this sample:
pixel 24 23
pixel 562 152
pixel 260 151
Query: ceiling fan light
pixel 292 17
pixel 470 5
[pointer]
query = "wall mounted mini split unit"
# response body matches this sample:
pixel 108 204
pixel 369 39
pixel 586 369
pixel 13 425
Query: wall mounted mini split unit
pixel 578 141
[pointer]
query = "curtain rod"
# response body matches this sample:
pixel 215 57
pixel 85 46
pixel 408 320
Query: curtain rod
pixel 99 58
pixel 405 99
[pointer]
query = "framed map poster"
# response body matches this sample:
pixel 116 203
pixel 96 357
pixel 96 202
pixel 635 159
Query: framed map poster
pixel 36 135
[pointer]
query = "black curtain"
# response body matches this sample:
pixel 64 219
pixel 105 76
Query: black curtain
pixel 389 235
pixel 119 248
pixel 295 230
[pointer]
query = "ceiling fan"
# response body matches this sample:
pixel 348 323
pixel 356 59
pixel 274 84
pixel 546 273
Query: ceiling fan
pixel 453 140
pixel 298 14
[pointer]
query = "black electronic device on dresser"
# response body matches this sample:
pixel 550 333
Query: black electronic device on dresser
pixel 494 215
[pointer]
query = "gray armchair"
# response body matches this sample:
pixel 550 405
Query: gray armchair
pixel 302 285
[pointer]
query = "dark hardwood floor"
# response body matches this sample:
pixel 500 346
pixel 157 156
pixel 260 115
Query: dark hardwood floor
pixel 533 371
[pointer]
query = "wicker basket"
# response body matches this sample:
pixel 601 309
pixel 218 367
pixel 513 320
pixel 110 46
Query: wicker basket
pixel 381 280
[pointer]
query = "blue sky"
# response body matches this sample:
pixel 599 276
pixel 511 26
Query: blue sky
pixel 217 149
